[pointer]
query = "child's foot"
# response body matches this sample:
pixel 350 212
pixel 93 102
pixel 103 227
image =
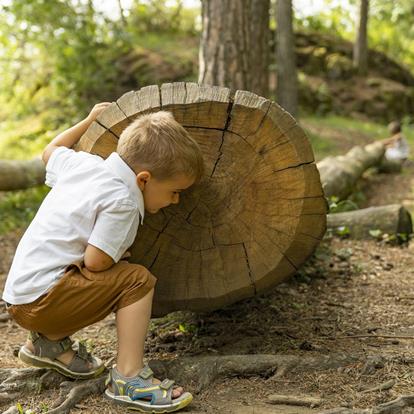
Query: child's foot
pixel 176 392
pixel 42 352
pixel 65 358
pixel 145 393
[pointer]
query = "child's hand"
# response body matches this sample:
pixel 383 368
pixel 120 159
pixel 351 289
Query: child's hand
pixel 96 110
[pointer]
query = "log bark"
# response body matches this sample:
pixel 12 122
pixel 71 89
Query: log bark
pixel 234 47
pixel 18 175
pixel 340 174
pixel 360 57
pixel 287 83
pixel 391 219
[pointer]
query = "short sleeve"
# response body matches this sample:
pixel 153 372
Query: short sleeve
pixel 115 228
pixel 65 159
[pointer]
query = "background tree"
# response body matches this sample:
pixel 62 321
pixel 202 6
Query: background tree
pixel 234 48
pixel 287 84
pixel 361 43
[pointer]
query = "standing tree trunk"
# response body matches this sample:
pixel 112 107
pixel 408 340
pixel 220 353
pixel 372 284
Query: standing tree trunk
pixel 360 45
pixel 287 84
pixel 234 47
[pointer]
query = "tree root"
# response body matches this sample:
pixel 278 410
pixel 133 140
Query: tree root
pixel 398 405
pixel 197 373
pixel 200 372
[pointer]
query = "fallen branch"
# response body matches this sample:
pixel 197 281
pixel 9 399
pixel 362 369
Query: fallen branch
pixel 392 219
pixel 371 336
pixel 17 174
pixel 381 387
pixel 340 174
pixel 294 400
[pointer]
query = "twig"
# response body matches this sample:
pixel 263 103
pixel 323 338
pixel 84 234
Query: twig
pixel 381 387
pixel 294 400
pixel 370 336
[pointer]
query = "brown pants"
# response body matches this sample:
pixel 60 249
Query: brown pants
pixel 82 297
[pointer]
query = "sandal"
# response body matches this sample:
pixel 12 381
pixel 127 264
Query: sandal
pixel 47 350
pixel 130 392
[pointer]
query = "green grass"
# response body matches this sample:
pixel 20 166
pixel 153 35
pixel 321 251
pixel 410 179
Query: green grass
pixel 345 124
pixel 17 208
pixel 329 133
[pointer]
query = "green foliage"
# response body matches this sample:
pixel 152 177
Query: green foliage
pixel 390 26
pixel 342 231
pixel 336 206
pixel 188 328
pixel 18 208
pixel 67 54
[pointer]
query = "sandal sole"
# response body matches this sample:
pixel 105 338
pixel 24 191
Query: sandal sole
pixel 39 362
pixel 148 408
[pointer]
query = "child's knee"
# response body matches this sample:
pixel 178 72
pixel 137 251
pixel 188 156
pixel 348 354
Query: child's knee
pixel 141 276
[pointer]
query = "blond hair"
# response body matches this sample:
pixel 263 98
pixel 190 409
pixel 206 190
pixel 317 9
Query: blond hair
pixel 157 143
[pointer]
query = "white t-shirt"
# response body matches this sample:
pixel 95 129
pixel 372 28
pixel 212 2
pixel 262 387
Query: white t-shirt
pixel 92 201
pixel 399 151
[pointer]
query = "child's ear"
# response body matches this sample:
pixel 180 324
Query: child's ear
pixel 142 178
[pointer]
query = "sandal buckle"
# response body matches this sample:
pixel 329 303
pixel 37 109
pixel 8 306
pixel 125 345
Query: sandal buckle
pixel 166 384
pixel 146 372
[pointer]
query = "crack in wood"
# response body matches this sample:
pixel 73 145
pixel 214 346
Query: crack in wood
pixel 249 268
pixel 262 120
pixel 229 108
pixel 160 95
pixel 122 110
pixel 107 129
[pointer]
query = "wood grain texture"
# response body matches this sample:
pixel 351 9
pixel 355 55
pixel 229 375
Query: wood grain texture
pixel 255 217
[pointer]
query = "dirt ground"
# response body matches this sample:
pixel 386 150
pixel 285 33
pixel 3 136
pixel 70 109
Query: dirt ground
pixel 351 298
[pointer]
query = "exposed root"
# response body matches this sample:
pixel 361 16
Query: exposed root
pixel 77 393
pixel 196 372
pixel 398 405
pixel 202 371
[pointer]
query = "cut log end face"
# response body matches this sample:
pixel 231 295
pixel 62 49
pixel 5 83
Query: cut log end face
pixel 258 213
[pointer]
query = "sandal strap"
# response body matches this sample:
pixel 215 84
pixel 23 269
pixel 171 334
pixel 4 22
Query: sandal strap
pixel 46 348
pixel 81 359
pixel 140 387
pixel 166 384
pixel 146 373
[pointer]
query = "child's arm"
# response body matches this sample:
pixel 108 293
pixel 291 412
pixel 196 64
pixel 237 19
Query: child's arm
pixel 72 135
pixel 96 260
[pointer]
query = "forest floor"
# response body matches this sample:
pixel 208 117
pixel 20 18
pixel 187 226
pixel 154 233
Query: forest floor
pixel 352 298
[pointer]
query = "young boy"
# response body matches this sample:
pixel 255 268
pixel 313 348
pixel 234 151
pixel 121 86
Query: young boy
pixel 397 148
pixel 68 271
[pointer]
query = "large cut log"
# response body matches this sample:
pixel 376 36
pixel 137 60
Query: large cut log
pixel 339 174
pixel 17 175
pixel 392 219
pixel 258 213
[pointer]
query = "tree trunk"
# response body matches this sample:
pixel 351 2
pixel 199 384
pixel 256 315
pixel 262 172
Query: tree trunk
pixel 392 219
pixel 287 87
pixel 361 43
pixel 17 175
pixel 340 174
pixel 234 48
